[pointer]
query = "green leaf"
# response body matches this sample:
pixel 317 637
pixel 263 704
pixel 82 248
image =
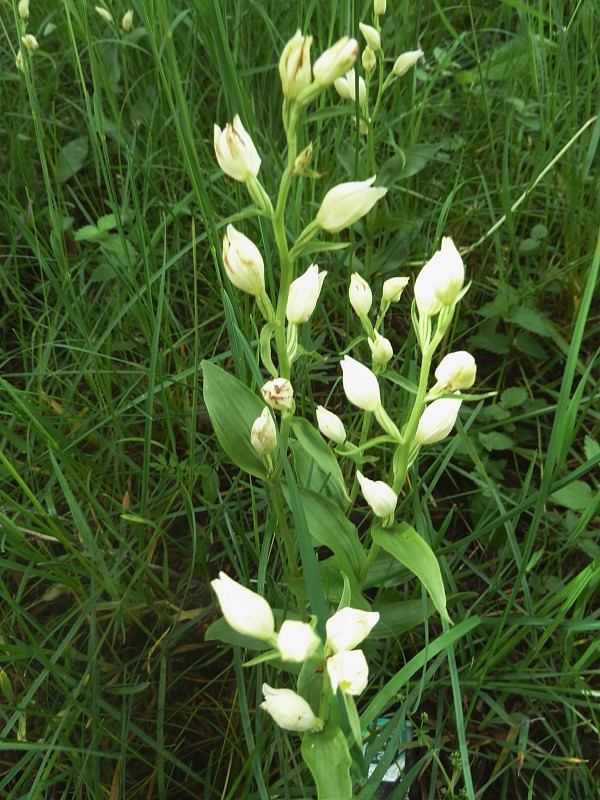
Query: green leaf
pixel 491 341
pixel 530 320
pixel 317 448
pixel 577 496
pixel 496 441
pixel 221 631
pixel 327 756
pixel 398 618
pixel 233 408
pixel 405 544
pixel 71 158
pixel 330 528
pixel 591 447
pixel 513 396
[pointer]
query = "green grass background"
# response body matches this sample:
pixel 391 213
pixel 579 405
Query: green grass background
pixel 117 505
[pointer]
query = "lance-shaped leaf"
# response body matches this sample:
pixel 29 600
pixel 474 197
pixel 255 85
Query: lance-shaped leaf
pixel 411 550
pixel 328 758
pixel 233 408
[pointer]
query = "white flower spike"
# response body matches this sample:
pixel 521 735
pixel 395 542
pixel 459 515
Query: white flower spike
pixel 263 435
pixel 437 420
pixel 335 62
pixel 235 151
pixel 456 371
pixel 290 711
pixel 247 612
pixel 441 279
pixel 348 671
pixel 346 203
pixel 294 65
pixel 279 394
pixel 330 425
pixel 381 497
pixel 406 61
pixel 297 641
pixel 349 627
pixel 303 295
pixel 360 385
pixel 360 295
pixel 243 262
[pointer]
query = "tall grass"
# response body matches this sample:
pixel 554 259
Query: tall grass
pixel 116 503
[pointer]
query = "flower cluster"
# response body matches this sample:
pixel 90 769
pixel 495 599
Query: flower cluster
pixel 249 614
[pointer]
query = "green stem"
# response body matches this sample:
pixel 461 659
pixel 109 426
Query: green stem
pixel 366 424
pixel 285 262
pixel 287 539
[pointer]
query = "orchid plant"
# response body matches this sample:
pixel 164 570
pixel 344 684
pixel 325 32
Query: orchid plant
pixel 326 619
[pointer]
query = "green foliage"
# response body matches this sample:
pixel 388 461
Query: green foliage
pixel 117 504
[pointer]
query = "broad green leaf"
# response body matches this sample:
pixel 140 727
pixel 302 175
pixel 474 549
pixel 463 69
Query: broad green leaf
pixel 233 408
pixel 591 447
pixel 405 544
pixel 221 631
pixel 490 340
pixel 577 496
pixel 530 320
pixel 328 758
pixel 496 441
pixel 71 158
pixel 330 528
pixel 313 443
pixel 513 396
pixel 398 618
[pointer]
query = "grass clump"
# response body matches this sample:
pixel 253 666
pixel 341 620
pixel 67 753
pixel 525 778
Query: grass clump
pixel 118 505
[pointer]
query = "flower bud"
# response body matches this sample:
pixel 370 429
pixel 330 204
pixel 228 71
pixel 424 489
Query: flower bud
pixel 368 59
pixel 290 711
pixel 23 9
pixel 303 295
pixel 278 394
pixel 437 420
pixel 243 262
pixel 127 21
pixel 439 282
pixel 346 87
pixel 381 349
pixel 404 62
pixel 235 151
pixel 348 671
pixel 372 37
pixel 360 384
pixel 247 612
pixel 393 288
pixel 361 297
pixel 349 627
pixel 30 42
pixel 263 435
pixel 19 64
pixel 294 65
pixel 379 7
pixel 297 641
pixel 303 160
pixel 330 425
pixel 346 203
pixel 104 13
pixel 381 497
pixel 456 371
pixel 335 62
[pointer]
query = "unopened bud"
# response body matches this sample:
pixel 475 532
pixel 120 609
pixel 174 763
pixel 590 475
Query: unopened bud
pixel 278 394
pixel 405 62
pixel 294 66
pixel 23 9
pixel 381 497
pixel 330 425
pixel 361 297
pixel 393 288
pixel 372 37
pixel 437 420
pixel 381 349
pixel 30 42
pixel 243 262
pixel 379 7
pixel 369 60
pixel 263 435
pixel 303 160
pixel 456 371
pixel 104 13
pixel 346 87
pixel 336 61
pixel 127 21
